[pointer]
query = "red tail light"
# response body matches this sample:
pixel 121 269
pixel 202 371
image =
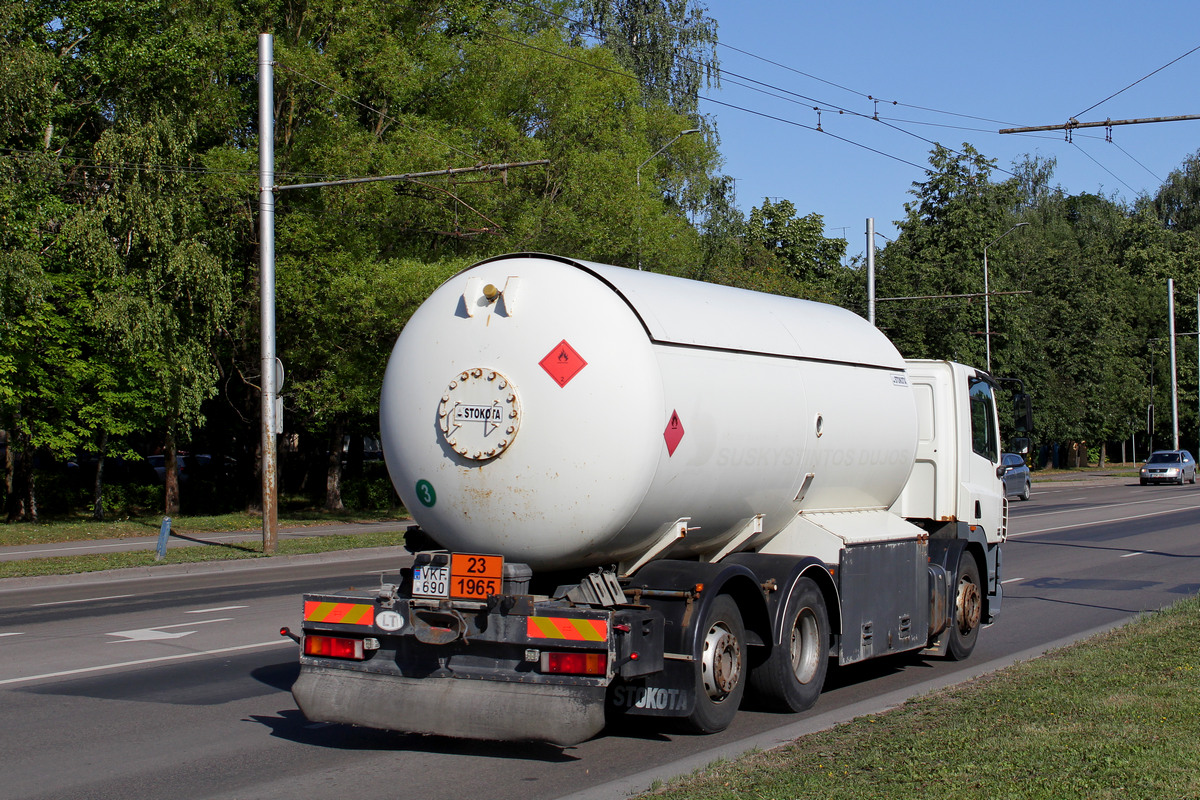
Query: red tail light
pixel 576 663
pixel 333 647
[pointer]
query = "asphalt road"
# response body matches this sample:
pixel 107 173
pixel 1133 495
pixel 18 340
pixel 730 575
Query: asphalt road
pixel 178 685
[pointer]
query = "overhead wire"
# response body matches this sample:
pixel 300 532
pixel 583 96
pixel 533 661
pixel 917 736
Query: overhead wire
pixel 1139 80
pixel 1101 166
pixel 779 93
pixel 759 86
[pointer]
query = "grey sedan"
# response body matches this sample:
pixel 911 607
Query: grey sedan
pixel 1168 466
pixel 1015 475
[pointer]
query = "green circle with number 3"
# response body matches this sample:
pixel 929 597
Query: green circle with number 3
pixel 426 494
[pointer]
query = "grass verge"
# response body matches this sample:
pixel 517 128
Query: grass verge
pixel 20 533
pixel 65 565
pixel 1112 717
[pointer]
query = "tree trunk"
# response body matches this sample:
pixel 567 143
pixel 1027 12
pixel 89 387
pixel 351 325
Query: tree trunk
pixel 172 476
pixel 98 486
pixel 22 500
pixel 333 472
pixel 9 469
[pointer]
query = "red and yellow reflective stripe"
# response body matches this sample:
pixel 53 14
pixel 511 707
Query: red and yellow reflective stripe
pixel 343 613
pixel 574 629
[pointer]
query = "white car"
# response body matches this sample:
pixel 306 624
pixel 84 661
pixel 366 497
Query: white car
pixel 1168 466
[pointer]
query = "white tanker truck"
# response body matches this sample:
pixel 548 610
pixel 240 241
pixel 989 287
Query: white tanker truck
pixel 644 495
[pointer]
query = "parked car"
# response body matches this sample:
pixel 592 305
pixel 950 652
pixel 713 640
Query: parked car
pixel 1016 475
pixel 1168 466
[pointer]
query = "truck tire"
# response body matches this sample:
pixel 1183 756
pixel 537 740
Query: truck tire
pixel 968 609
pixel 720 667
pixel 792 676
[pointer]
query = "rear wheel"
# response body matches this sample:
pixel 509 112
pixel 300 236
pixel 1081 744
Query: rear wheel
pixel 968 609
pixel 792 676
pixel 720 667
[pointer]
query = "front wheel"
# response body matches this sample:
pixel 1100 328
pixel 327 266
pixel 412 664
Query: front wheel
pixel 968 609
pixel 720 667
pixel 792 676
pixel 1024 495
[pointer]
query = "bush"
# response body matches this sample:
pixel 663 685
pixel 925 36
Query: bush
pixel 371 491
pixel 133 499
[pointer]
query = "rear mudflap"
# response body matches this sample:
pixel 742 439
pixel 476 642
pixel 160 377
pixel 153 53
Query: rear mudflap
pixel 471 709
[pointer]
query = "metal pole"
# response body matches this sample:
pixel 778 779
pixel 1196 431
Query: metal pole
pixel 1174 385
pixel 987 312
pixel 266 280
pixel 987 306
pixel 871 270
pixel 1198 363
pixel 637 173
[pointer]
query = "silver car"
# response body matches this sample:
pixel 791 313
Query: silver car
pixel 1168 466
pixel 1015 475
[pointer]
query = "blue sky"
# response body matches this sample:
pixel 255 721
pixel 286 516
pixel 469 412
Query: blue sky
pixel 975 67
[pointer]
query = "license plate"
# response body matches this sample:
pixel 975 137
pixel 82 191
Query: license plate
pixel 467 577
pixel 431 581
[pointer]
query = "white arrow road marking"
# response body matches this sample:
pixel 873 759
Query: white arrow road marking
pixel 152 634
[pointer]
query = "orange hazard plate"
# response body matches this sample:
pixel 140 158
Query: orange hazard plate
pixel 474 577
pixel 468 577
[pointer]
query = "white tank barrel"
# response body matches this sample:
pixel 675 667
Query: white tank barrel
pixel 562 413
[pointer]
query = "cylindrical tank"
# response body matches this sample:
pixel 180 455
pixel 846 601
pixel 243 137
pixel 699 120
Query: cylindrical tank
pixel 564 413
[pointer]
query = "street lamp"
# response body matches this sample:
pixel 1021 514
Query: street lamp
pixel 638 175
pixel 659 150
pixel 987 306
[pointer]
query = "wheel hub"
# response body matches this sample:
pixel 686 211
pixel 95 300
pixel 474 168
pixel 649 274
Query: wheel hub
pixel 805 650
pixel 721 662
pixel 969 606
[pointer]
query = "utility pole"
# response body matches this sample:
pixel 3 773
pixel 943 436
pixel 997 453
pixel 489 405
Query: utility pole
pixel 266 288
pixel 871 270
pixel 1174 383
pixel 987 305
pixel 272 370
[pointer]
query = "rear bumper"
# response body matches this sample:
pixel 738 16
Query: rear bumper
pixel 466 708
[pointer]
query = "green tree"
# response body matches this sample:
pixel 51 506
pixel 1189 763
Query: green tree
pixel 669 45
pixel 1177 202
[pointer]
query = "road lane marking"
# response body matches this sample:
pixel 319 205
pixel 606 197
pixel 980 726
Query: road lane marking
pixel 1103 522
pixel 154 634
pixel 1131 555
pixel 213 610
pixel 1157 500
pixel 84 600
pixel 1012 580
pixel 141 661
pixel 18 633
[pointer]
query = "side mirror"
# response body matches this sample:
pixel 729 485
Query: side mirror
pixel 1019 445
pixel 1022 413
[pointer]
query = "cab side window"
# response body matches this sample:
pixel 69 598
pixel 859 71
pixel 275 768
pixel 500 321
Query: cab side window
pixel 983 421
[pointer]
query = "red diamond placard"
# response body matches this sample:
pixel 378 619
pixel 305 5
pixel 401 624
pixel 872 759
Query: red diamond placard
pixel 673 433
pixel 562 363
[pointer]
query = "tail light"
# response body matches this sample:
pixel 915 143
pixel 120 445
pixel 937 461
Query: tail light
pixel 575 663
pixel 334 647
